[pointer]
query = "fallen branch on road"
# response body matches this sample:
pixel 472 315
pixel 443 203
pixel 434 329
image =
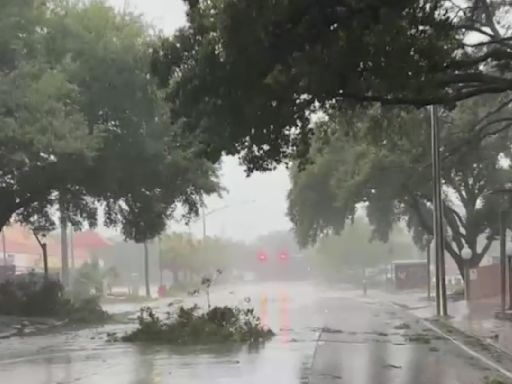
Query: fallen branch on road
pixel 217 325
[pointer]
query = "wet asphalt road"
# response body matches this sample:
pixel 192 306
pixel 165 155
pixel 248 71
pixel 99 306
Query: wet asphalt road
pixel 324 335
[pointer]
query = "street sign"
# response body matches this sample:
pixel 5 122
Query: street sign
pixel 473 274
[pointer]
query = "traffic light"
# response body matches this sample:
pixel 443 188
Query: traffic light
pixel 262 256
pixel 283 255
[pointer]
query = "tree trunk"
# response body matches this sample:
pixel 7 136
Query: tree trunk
pixel 64 244
pixel 460 263
pixel 6 212
pixel 72 252
pixel 4 220
pixel 45 259
pixel 146 269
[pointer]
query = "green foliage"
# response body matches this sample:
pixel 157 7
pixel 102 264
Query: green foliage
pixel 90 279
pixel 87 311
pixel 31 296
pixel 83 122
pixel 246 76
pixel 494 380
pixel 218 325
pixel 378 160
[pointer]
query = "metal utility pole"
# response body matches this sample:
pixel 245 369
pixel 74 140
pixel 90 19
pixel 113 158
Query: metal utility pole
pixel 503 260
pixel 441 302
pixel 203 216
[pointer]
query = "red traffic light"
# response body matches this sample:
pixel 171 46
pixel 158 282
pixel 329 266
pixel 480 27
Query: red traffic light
pixel 262 256
pixel 283 255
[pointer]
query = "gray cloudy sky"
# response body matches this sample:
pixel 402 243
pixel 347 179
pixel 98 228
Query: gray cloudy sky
pixel 252 206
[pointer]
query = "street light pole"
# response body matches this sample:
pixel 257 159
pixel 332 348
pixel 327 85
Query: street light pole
pixel 441 303
pixel 204 214
pixel 203 217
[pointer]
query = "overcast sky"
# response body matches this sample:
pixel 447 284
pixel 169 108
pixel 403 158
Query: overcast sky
pixel 252 206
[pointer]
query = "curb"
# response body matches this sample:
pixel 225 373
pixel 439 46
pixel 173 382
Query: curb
pixel 467 349
pixel 8 335
pixel 31 330
pixel 484 339
pixel 428 323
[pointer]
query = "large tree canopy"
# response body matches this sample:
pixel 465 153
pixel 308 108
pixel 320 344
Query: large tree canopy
pixel 82 122
pixel 379 159
pixel 247 76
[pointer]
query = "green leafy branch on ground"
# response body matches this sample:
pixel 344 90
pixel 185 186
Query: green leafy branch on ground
pixel 217 325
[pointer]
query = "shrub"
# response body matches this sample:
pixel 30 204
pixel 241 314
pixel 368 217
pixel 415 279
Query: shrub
pixel 33 296
pixel 87 311
pixel 29 296
pixel 90 279
pixel 218 325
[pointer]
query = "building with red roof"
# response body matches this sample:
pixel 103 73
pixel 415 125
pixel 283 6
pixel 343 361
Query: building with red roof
pixel 90 241
pixel 23 250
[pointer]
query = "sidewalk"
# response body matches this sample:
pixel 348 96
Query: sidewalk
pixel 476 318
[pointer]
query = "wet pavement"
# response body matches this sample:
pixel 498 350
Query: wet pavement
pixel 324 335
pixel 369 342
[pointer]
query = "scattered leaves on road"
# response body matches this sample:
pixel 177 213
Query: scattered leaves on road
pixel 332 330
pixel 419 338
pixel 402 326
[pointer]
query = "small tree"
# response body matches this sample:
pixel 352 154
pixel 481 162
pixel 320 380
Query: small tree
pixel 206 283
